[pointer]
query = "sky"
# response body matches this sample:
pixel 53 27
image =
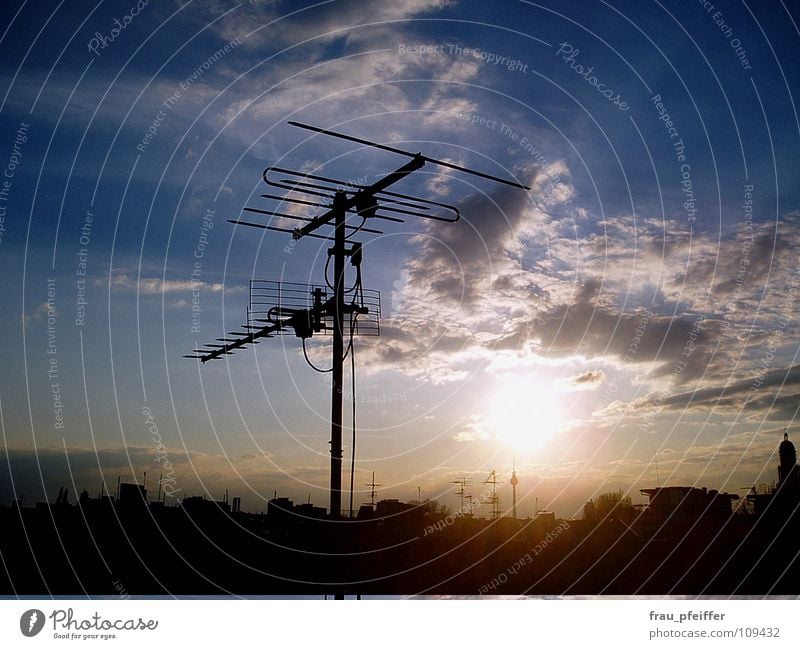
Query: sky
pixel 630 321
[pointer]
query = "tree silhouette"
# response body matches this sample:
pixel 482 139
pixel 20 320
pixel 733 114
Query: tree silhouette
pixel 614 504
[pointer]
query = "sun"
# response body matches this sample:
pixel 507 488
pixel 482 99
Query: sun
pixel 523 415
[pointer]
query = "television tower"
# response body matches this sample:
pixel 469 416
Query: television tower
pixel 514 482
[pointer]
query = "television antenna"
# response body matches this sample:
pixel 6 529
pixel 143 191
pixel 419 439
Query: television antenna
pixel 494 499
pixel 327 311
pixel 462 492
pixel 372 493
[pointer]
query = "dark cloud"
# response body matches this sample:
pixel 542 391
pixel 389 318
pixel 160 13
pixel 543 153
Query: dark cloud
pixel 763 249
pixel 760 387
pixel 590 377
pixel 38 474
pixel 591 328
pixel 455 262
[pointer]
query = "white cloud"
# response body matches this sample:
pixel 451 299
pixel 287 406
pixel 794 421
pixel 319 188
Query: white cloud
pixel 158 286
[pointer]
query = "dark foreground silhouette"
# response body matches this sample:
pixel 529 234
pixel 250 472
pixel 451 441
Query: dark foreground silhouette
pixel 686 541
pixel 128 546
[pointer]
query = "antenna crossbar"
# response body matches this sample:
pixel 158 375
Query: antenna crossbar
pixel 384 147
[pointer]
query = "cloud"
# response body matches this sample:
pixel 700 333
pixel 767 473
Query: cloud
pixel 469 273
pixel 39 314
pixel 258 24
pixel 588 380
pixel 756 392
pixel 38 474
pixel 595 331
pixel 468 436
pixel 158 286
pixel 671 310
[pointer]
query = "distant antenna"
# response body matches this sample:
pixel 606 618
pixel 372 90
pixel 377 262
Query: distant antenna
pixel 462 492
pixel 340 200
pixel 494 499
pixel 372 485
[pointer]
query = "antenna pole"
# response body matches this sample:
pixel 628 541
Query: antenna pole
pixel 337 374
pixel 346 203
pixel 364 203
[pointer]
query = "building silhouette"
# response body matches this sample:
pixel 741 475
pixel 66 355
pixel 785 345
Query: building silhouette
pixel 781 501
pixel 686 540
pixel 688 503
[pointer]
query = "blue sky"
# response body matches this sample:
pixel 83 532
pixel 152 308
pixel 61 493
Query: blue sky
pixel 631 319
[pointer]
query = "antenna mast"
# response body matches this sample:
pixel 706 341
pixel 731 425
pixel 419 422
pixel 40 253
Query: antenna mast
pixel 462 492
pixel 369 202
pixel 372 492
pixel 494 499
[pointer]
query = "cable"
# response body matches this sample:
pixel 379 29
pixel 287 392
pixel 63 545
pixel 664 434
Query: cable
pixel 327 281
pixel 353 314
pixel 357 229
pixel 308 360
pixel 327 264
pixel 359 284
pixel 352 352
pixel 353 452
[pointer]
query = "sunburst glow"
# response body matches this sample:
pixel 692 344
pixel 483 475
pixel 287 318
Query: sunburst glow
pixel 523 414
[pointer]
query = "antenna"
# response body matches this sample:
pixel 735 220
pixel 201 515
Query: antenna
pixel 462 492
pixel 329 311
pixel 383 147
pixel 372 493
pixel 494 499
